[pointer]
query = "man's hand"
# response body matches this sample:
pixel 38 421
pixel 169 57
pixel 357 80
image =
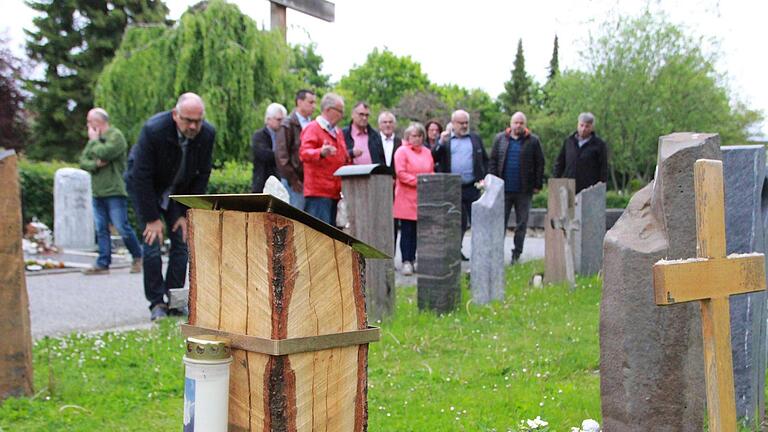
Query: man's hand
pixel 101 163
pixel 93 133
pixel 297 186
pixel 154 231
pixel 327 149
pixel 181 223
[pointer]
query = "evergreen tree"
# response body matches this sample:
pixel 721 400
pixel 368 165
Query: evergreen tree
pixel 74 39
pixel 517 91
pixel 554 63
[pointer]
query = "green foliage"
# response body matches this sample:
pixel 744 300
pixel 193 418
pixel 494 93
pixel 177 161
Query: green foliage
pixel 518 91
pixel 217 52
pixel 480 368
pixel 74 39
pixel 232 178
pixel 13 124
pixel 554 62
pixel 485 116
pixel 305 67
pixel 382 80
pixel 36 182
pixel 647 78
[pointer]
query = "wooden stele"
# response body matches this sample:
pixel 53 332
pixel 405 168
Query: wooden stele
pixel 15 334
pixel 368 193
pixel 263 270
pixel 710 279
pixel 558 239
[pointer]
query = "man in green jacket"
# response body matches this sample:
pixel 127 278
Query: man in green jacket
pixel 104 157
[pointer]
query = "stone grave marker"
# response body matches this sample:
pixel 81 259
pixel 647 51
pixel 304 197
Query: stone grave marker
pixel 438 235
pixel 487 264
pixel 711 278
pixel 73 226
pixel 367 191
pixel 651 368
pixel 15 330
pixel 745 172
pixel 288 291
pixel 559 230
pixel 588 238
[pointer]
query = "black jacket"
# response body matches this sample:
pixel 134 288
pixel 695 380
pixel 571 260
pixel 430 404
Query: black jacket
pixel 263 159
pixel 155 161
pixel 587 165
pixel 375 147
pixel 442 156
pixel 531 160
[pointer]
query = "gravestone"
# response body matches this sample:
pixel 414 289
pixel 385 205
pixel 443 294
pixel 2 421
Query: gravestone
pixel 487 263
pixel 744 171
pixel 73 225
pixel 15 333
pixel 438 235
pixel 367 191
pixel 559 230
pixel 651 367
pixel 588 238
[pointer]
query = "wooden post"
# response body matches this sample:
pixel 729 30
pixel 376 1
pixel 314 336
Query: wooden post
pixel 368 195
pixel 15 334
pixel 558 241
pixel 288 290
pixel 710 279
pixel 322 9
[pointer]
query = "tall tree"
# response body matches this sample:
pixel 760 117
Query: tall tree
pixel 305 66
pixel 73 40
pixel 554 62
pixel 517 91
pixel 13 127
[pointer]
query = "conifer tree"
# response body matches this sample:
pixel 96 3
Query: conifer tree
pixel 73 40
pixel 554 63
pixel 517 91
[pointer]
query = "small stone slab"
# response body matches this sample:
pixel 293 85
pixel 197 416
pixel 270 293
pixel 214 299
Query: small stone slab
pixel 439 242
pixel 73 225
pixel 487 263
pixel 588 238
pixel 276 189
pixel 559 232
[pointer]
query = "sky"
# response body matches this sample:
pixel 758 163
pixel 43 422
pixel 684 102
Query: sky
pixel 473 43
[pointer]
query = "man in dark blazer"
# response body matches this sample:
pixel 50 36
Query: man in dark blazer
pixel 288 143
pixel 584 156
pixel 172 156
pixel 363 141
pixel 460 151
pixel 263 146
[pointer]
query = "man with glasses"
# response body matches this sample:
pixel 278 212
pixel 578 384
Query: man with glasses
pixel 363 142
pixel 323 151
pixel 172 156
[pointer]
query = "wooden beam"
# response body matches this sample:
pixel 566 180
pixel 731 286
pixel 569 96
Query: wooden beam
pixel 322 9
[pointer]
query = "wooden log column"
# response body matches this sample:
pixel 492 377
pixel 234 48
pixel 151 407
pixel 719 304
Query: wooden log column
pixel 368 195
pixel 15 333
pixel 262 273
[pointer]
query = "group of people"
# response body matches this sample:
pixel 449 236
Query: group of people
pixel 173 155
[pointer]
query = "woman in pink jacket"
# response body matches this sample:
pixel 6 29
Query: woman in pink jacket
pixel 411 159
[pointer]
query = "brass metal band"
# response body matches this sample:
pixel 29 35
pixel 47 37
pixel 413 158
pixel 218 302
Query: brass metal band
pixel 277 347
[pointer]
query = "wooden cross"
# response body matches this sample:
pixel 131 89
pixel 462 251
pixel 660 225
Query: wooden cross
pixel 322 9
pixel 711 278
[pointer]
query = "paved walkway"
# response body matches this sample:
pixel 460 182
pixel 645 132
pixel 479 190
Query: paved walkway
pixel 70 302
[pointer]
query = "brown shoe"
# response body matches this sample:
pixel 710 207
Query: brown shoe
pixel 136 265
pixel 95 270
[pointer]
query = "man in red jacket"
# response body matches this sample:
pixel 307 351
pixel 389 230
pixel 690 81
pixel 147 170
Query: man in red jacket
pixel 323 150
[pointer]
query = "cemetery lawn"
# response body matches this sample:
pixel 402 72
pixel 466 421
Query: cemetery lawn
pixel 481 368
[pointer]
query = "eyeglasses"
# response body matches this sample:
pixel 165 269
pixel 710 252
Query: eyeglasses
pixel 190 120
pixel 340 111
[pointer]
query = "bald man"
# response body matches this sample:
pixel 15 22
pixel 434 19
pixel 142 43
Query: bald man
pixel 172 156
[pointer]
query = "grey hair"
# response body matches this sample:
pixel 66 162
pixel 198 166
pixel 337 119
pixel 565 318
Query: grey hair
pixel 519 113
pixel 189 96
pixel 387 114
pixel 457 112
pixel 330 100
pixel 102 113
pixel 587 117
pixel 415 128
pixel 273 110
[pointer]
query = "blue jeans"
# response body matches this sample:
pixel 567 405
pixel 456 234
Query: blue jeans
pixel 296 198
pixel 322 208
pixel 408 240
pixel 155 287
pixel 113 209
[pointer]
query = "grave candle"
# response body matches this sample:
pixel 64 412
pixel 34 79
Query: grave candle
pixel 206 384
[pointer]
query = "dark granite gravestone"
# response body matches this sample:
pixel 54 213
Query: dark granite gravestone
pixel 588 239
pixel 439 240
pixel 487 263
pixel 744 173
pixel 651 358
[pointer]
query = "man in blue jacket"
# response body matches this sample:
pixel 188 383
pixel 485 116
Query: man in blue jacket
pixel 172 156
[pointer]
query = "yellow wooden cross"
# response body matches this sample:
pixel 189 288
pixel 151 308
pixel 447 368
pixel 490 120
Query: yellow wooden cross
pixel 711 278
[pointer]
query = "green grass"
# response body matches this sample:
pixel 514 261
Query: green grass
pixel 481 368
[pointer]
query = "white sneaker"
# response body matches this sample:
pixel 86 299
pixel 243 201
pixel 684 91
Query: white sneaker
pixel 407 268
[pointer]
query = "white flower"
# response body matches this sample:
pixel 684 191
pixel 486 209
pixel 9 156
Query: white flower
pixel 535 423
pixel 590 425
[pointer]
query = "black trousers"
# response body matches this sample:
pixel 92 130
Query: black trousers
pixel 408 240
pixel 522 203
pixel 469 194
